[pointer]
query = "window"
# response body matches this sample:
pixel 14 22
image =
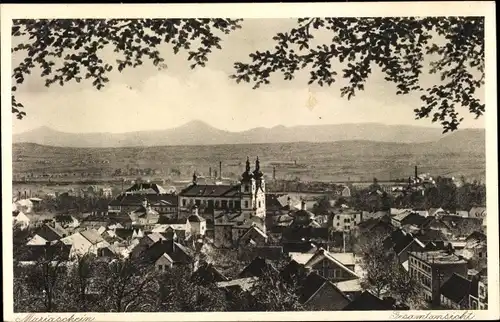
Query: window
pixel 217 203
pixel 237 204
pixel 338 224
pixel 246 203
pixel 230 204
pixel 224 203
pixel 184 202
pixel 160 267
pixel 246 188
pixel 259 204
pixel 197 202
pixel 480 254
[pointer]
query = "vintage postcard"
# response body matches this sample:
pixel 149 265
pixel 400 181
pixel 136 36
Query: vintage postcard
pixel 238 162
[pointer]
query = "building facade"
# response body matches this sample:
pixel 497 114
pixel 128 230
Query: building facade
pixel 247 197
pixel 432 269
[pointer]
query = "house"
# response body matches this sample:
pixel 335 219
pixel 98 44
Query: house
pixel 348 259
pixel 461 227
pixel 346 220
pixel 247 197
pixel 24 205
pixel 67 221
pixel 182 227
pixel 20 219
pixel 198 224
pixel 85 242
pixel 433 268
pixel 475 250
pixel 478 297
pixel 207 274
pixel 326 265
pixel 380 225
pixel 477 212
pixel 318 294
pixel 368 302
pixel 158 197
pixel 48 233
pixel 455 292
pixel 351 288
pixel 254 236
pixel 144 215
pixel 302 217
pixel 409 219
pixel 166 254
pixel 93 222
pixel 257 267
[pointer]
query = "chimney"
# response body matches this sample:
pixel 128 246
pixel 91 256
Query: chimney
pixel 210 172
pixel 19 195
pixel 195 210
pixel 416 172
pixel 220 169
pixel 289 202
pixel 25 194
pixel 274 173
pixel 303 205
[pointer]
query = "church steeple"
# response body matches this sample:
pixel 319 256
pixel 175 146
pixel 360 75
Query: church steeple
pixel 257 173
pixel 247 175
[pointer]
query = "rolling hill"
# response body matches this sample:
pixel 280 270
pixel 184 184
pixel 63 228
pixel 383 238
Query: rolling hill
pixel 200 133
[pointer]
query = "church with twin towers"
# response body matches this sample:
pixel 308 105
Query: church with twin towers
pixel 248 197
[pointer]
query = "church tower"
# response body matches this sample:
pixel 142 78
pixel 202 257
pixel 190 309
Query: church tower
pixel 259 196
pixel 247 191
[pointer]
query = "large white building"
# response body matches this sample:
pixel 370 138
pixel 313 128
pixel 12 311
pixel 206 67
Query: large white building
pixel 246 197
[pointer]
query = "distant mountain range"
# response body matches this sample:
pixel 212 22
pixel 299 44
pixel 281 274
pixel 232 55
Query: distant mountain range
pixel 200 133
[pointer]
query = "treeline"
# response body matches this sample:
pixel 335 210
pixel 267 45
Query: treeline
pixel 444 194
pixel 69 203
pixel 103 284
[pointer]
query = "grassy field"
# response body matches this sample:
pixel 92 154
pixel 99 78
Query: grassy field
pixel 337 161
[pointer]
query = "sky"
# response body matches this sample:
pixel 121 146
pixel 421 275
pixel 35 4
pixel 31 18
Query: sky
pixel 145 98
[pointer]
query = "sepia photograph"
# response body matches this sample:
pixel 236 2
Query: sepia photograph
pixel 219 163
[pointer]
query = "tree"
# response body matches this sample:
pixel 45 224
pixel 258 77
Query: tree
pixel 273 293
pixel 47 274
pixel 405 288
pixel 399 46
pixel 127 285
pixel 179 293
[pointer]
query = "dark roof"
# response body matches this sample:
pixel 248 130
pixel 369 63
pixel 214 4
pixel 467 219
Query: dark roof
pixel 213 190
pixel 137 199
pixel 293 272
pixel 207 274
pixel 196 218
pixel 432 235
pixel 146 186
pixel 51 232
pixel 299 247
pixel 366 301
pixel 176 251
pixel 266 252
pixel 310 285
pixel 276 202
pixel 414 219
pixel 295 233
pixel 63 218
pixel 257 267
pixel 456 288
pixel 124 233
pixel 171 221
pixel 398 240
